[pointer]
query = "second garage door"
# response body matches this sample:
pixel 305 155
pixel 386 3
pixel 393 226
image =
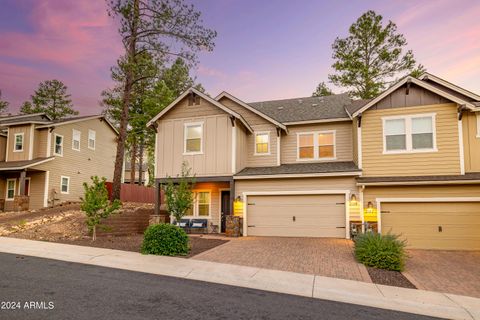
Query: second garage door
pixel 434 225
pixel 296 216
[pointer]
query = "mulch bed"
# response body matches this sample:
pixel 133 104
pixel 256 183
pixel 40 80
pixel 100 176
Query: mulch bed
pixel 134 242
pixel 389 278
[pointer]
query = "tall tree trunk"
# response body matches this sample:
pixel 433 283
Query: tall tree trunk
pixel 127 91
pixel 133 161
pixel 140 161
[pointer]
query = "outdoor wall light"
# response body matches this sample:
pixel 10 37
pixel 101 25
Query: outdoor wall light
pixel 370 207
pixel 353 198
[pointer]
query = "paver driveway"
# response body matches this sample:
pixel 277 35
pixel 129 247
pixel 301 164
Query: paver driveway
pixel 320 256
pixel 455 272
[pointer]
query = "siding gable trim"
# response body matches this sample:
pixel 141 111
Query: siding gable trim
pixel 431 77
pixel 420 83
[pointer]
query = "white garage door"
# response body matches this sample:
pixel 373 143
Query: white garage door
pixel 296 215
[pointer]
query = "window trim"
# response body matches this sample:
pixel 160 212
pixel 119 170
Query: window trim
pixel 477 114
pixel 55 144
pixel 195 205
pixel 68 185
pixel 185 130
pixel 22 134
pixel 14 189
pixel 94 139
pixel 408 133
pixel 79 139
pixel 316 145
pixel 255 153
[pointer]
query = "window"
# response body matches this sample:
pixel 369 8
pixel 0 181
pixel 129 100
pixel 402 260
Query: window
pixel 18 142
pixel 409 134
pixel 91 139
pixel 262 143
pixel 193 138
pixel 201 205
pixel 65 185
pixel 76 140
pixel 58 145
pixel 11 183
pixel 316 145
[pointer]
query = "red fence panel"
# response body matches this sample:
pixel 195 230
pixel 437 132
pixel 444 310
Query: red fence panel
pixel 133 193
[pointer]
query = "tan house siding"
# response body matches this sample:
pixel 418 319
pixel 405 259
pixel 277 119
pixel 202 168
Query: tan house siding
pixel 300 184
pixel 40 144
pixel 37 184
pixel 445 161
pixel 216 159
pixel 425 191
pixel 183 110
pixel 214 189
pixel 249 116
pixel 23 155
pixel 343 140
pixel 3 147
pixel 241 156
pixel 79 166
pixel 471 142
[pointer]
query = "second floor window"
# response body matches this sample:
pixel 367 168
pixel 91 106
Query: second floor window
pixel 58 145
pixel 193 138
pixel 91 139
pixel 409 134
pixel 76 140
pixel 316 145
pixel 18 142
pixel 262 143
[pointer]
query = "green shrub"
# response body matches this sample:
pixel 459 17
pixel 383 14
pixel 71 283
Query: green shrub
pixel 166 240
pixel 380 251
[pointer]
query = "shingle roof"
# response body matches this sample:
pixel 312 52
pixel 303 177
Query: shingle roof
pixel 75 118
pixel 356 105
pixel 305 109
pixel 301 168
pixel 466 177
pixel 37 118
pixel 17 165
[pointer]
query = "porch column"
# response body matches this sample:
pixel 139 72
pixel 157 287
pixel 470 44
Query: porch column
pixel 158 197
pixel 23 175
pixel 232 195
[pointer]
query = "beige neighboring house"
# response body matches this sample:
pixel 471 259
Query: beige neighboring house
pixel 308 167
pixel 45 162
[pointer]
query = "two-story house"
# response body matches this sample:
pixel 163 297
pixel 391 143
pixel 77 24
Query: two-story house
pixel 307 167
pixel 45 162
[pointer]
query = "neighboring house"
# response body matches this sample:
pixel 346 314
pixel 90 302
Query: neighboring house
pixel 308 167
pixel 128 173
pixel 45 162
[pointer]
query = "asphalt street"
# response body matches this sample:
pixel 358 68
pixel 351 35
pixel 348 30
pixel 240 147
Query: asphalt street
pixel 36 288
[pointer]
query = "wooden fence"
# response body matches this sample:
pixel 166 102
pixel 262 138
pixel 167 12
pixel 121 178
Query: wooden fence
pixel 134 193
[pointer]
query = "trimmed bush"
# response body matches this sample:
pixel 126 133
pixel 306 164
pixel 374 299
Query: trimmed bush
pixel 166 240
pixel 380 251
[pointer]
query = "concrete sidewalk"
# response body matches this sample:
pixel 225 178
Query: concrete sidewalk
pixel 360 293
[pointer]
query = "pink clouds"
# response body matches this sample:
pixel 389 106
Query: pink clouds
pixel 75 42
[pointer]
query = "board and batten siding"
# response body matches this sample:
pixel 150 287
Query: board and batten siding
pixel 80 165
pixel 445 161
pixel 21 155
pixel 258 124
pixel 40 143
pixel 343 141
pixel 241 155
pixel 471 142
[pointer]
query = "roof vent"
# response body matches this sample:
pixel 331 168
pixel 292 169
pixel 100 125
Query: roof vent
pixel 314 104
pixel 300 100
pixel 280 108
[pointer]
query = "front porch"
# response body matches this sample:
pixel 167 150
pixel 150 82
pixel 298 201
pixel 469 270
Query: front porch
pixel 22 190
pixel 214 199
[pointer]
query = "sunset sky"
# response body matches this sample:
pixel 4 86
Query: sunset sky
pixel 264 50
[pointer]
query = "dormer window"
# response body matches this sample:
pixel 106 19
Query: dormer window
pixel 18 142
pixel 262 143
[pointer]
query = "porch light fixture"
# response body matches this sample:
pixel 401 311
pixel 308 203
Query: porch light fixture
pixel 353 198
pixel 370 207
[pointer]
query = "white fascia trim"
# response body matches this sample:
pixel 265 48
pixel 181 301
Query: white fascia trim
pixel 27 166
pixel 8 138
pixel 279 162
pixel 415 183
pixel 429 76
pixel 461 147
pixel 205 97
pixel 316 121
pixel 245 196
pixel 30 146
pixel 359 147
pixel 246 106
pixel 45 191
pixel 300 175
pixel 49 143
pixel 420 83
pixel 155 160
pixel 477 114
pixel 234 148
pixel 80 120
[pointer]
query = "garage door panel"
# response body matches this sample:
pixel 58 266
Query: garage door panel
pixel 419 224
pixel 315 215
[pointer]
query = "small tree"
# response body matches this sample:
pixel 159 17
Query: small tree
pixel 96 205
pixel 179 196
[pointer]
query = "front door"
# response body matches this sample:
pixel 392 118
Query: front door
pixel 225 206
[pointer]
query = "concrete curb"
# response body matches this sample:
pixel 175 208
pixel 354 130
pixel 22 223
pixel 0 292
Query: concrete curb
pixel 367 294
